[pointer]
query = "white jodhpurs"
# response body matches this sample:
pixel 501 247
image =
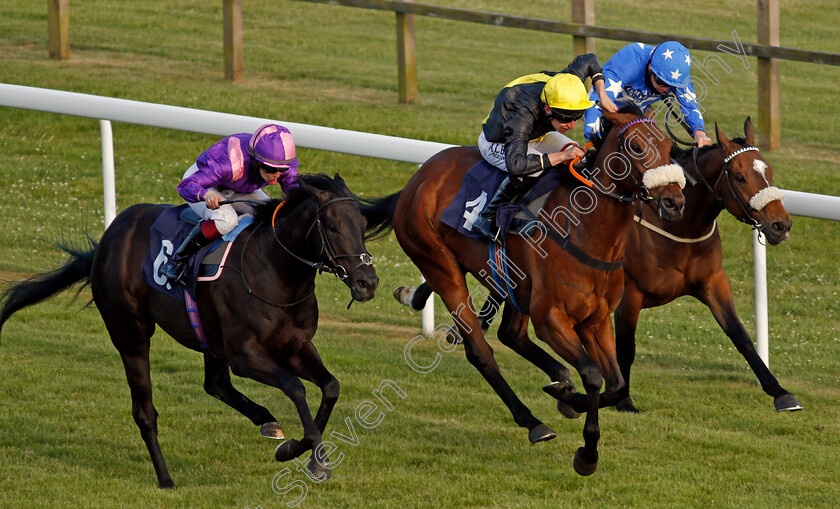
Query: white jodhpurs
pixel 494 153
pixel 226 216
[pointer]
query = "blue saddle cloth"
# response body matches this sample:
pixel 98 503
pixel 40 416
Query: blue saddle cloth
pixel 165 236
pixel 478 187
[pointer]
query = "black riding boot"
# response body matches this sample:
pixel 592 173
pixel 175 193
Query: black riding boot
pixel 509 189
pixel 175 265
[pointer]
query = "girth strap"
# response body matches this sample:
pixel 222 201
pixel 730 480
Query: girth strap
pixel 572 249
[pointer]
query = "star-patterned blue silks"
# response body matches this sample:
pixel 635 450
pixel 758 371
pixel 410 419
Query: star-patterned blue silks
pixel 624 79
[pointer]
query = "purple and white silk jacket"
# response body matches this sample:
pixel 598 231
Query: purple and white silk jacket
pixel 225 165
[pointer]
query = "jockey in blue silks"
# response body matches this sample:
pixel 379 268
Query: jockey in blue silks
pixel 642 74
pixel 235 168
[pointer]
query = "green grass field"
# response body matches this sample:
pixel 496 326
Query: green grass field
pixel 707 435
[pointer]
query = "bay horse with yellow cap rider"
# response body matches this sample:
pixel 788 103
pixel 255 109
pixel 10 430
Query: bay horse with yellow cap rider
pixel 524 133
pixel 237 167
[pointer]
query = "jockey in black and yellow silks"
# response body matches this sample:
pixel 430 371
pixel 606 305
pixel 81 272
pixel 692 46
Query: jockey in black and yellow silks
pixel 523 134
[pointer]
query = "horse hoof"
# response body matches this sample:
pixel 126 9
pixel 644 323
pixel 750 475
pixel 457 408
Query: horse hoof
pixel 320 470
pixel 786 403
pixel 286 451
pixel 541 433
pixel 566 411
pixel 272 430
pixel 557 389
pixel 583 467
pixel 403 294
pixel 167 484
pixel 626 405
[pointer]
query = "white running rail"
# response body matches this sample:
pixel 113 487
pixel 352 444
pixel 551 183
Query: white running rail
pixel 107 109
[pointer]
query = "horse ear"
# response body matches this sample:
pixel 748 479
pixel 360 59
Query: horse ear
pixel 722 139
pixel 320 196
pixel 618 119
pixel 749 131
pixel 343 184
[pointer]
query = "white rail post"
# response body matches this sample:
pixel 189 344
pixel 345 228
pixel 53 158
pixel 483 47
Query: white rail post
pixel 428 314
pixel 760 269
pixel 109 190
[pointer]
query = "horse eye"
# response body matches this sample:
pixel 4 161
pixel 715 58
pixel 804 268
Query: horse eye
pixel 635 147
pixel 332 228
pixel 740 178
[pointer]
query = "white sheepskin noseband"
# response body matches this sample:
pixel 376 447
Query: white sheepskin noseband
pixel 664 175
pixel 765 196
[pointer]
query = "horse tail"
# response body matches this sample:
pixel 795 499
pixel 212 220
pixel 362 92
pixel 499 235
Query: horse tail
pixel 42 286
pixel 379 213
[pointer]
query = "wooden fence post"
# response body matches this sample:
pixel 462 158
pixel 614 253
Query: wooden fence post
pixel 583 12
pixel 232 37
pixel 58 27
pixel 406 59
pixel 769 110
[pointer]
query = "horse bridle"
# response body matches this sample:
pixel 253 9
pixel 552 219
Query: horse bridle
pixel 745 207
pixel 642 192
pixel 342 274
pixel 334 268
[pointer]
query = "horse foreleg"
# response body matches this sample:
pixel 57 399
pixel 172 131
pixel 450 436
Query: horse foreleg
pixel 599 341
pixel 717 295
pixel 257 364
pixel 513 333
pixel 307 364
pixel 555 329
pixel 217 384
pixel 626 319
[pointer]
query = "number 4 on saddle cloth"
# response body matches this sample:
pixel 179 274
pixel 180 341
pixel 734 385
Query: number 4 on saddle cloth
pixel 166 234
pixel 480 183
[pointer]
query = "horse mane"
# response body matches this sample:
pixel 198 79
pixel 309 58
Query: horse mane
pixel 685 153
pixel 322 181
pixel 607 126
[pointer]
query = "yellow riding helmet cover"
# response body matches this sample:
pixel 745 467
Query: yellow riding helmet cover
pixel 566 92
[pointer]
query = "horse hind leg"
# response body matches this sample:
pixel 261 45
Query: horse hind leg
pixel 217 383
pixel 480 354
pixel 133 345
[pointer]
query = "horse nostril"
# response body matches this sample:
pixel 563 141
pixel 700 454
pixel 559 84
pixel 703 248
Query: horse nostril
pixel 366 284
pixel 668 204
pixel 778 227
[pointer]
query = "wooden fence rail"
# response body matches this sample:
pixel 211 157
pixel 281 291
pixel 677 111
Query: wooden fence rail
pixel 583 31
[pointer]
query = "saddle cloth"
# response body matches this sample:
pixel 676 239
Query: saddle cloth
pixel 166 235
pixel 479 185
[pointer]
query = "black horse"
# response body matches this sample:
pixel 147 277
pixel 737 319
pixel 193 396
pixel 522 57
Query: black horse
pixel 259 316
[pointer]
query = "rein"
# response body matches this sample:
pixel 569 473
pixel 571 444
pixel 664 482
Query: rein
pixel 336 269
pixel 746 208
pixel 642 192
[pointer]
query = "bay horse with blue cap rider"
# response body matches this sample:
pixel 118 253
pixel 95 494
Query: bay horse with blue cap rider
pixel 237 167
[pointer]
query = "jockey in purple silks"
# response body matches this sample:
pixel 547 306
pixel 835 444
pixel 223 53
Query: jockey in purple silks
pixel 237 167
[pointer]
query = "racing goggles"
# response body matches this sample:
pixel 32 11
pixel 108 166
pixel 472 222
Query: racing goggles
pixel 566 116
